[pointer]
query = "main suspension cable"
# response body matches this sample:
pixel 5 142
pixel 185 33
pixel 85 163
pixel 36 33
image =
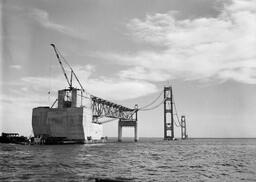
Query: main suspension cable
pixel 176 112
pixel 176 124
pixel 148 109
pixel 151 103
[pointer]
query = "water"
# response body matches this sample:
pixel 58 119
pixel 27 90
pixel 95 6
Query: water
pixel 147 160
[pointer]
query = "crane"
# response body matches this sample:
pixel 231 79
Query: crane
pixel 70 81
pixel 100 107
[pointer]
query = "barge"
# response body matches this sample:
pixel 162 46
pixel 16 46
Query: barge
pixel 76 117
pixel 69 122
pixel 13 138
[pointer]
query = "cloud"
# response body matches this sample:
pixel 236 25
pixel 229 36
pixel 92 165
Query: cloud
pixel 16 66
pixel 205 48
pixel 34 89
pixel 42 17
pixel 141 73
pixel 242 5
pixel 120 89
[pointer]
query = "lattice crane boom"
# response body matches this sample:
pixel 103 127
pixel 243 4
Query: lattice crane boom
pixel 61 65
pixel 70 81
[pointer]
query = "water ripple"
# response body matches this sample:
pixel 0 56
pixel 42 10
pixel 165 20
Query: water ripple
pixel 148 160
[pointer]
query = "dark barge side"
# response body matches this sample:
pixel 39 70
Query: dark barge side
pixel 13 138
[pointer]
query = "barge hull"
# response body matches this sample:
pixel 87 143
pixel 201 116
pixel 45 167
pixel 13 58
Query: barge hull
pixel 73 124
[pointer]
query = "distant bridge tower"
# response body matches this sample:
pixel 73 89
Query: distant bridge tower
pixel 168 114
pixel 183 128
pixel 129 123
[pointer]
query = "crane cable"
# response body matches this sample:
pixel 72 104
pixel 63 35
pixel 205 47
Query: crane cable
pixel 84 96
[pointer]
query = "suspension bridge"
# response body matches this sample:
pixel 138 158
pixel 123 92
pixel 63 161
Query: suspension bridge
pixel 127 117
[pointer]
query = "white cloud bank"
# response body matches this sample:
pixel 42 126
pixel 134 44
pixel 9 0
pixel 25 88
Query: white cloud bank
pixel 216 48
pixel 34 89
pixel 42 17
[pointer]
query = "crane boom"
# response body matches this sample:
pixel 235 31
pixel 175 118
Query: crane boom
pixel 63 70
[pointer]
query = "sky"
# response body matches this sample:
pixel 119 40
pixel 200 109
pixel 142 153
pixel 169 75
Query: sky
pixel 126 51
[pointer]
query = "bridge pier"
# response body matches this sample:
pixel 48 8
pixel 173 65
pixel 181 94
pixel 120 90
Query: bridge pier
pixel 127 123
pixel 119 131
pixel 183 128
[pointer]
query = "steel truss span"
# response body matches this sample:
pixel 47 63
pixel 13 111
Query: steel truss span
pixel 104 108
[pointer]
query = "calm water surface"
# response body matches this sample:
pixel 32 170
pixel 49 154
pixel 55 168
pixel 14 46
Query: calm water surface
pixel 147 160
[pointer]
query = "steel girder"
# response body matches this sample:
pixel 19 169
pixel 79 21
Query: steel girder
pixel 104 108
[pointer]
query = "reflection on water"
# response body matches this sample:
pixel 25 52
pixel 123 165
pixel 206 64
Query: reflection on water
pixel 147 160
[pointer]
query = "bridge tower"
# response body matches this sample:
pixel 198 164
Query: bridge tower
pixel 129 123
pixel 183 128
pixel 168 114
